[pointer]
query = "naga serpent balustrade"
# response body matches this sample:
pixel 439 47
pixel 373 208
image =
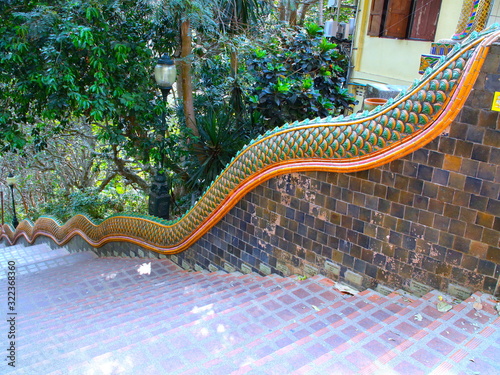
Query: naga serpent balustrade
pixel 350 144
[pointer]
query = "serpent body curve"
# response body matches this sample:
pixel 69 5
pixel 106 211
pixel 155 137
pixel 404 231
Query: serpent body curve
pixel 350 144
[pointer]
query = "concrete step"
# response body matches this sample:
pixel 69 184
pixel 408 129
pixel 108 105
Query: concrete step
pixel 125 293
pixel 109 315
pixel 197 308
pixel 320 349
pixel 62 259
pixel 204 293
pixel 301 334
pixel 93 293
pixel 207 322
pixel 96 337
pixel 24 256
pixel 114 281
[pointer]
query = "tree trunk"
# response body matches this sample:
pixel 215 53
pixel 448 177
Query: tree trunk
pixel 187 84
pixel 234 63
pixel 293 17
pixel 282 10
pixel 24 202
pixel 304 9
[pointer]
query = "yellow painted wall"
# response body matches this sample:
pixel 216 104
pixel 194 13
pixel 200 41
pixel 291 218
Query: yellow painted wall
pixel 395 61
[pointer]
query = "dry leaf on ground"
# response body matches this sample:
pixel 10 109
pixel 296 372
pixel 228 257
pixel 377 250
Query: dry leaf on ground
pixel 345 289
pixel 478 304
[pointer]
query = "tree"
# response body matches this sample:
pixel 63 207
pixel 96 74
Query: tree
pixel 73 171
pixel 187 85
pixel 288 11
pixel 79 74
pixel 72 61
pixel 237 17
pixel 176 20
pixel 89 62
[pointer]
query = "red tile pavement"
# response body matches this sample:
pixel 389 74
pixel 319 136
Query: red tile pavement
pixel 81 314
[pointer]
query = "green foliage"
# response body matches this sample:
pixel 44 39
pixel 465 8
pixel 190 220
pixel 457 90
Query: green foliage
pixel 90 62
pixel 221 137
pixel 213 84
pixel 313 30
pixel 345 12
pixel 300 76
pixel 238 15
pixel 77 59
pixel 216 87
pixel 95 205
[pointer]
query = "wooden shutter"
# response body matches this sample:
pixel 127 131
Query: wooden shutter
pixel 424 23
pixel 397 18
pixel 376 17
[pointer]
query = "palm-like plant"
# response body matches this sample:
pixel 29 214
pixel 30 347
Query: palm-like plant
pixel 221 137
pixel 236 17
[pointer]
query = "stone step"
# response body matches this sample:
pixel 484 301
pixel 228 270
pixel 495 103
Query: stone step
pixel 23 256
pixel 56 262
pixel 178 304
pixel 365 321
pixel 216 320
pixel 26 249
pixel 120 300
pixel 299 335
pixel 55 290
pixel 316 353
pixel 441 336
pixel 301 324
pixel 127 277
pixel 103 334
pixel 112 271
pixel 4 244
pixel 64 309
pixel 102 294
pixel 102 315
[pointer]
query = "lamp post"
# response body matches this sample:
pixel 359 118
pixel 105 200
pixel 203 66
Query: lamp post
pixel 165 75
pixel 159 198
pixel 11 182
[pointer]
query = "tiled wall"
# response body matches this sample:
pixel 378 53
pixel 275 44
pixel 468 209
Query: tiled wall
pixel 430 219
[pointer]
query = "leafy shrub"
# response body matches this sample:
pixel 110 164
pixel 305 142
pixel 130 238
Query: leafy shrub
pixel 300 76
pixel 95 205
pixel 217 87
pixel 221 137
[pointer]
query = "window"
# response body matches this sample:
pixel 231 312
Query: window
pixel 404 19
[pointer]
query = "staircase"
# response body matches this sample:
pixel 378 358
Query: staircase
pixel 80 314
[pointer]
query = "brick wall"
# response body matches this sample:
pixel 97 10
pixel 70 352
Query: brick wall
pixel 430 219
